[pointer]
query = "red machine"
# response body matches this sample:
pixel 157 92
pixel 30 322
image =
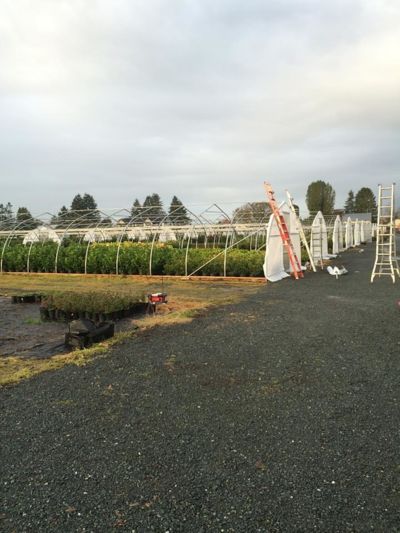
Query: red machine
pixel 155 299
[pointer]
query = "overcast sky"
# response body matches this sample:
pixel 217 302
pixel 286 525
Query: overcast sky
pixel 199 98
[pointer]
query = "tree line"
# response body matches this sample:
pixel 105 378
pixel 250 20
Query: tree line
pixel 321 197
pixel 22 217
pixel 152 210
pixel 84 211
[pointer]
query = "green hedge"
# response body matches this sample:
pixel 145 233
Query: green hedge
pixel 133 259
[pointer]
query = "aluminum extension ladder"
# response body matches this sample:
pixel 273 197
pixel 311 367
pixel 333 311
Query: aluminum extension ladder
pixel 284 233
pixel 386 263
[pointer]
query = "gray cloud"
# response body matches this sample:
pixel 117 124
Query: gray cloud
pixel 200 99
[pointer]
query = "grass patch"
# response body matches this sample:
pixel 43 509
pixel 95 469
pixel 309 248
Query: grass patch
pixel 14 369
pixel 33 321
pixel 186 299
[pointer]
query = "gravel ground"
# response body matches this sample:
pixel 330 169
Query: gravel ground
pixel 280 413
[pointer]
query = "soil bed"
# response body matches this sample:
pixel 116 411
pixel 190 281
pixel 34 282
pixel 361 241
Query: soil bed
pixel 24 334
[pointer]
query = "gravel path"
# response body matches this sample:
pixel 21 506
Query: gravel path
pixel 277 414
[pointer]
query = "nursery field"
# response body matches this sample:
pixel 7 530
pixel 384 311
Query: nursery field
pixel 278 411
pixel 29 346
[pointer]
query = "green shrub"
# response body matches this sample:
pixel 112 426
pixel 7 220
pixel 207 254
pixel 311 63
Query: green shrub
pixel 71 258
pixel 94 302
pixel 15 258
pixel 134 258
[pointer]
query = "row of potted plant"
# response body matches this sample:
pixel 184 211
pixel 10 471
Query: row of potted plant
pixel 133 258
pixel 98 306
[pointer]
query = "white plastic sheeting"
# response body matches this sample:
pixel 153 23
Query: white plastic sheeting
pixel 337 236
pixel 365 231
pixel 95 235
pixel 137 234
pixel 192 234
pixel 349 233
pixel 362 231
pixel 368 232
pixel 166 234
pixel 336 271
pixel 357 233
pixel 275 255
pixel 41 234
pixel 319 238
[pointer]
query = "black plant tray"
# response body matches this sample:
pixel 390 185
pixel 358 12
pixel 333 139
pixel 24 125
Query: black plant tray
pixel 84 339
pixel 26 298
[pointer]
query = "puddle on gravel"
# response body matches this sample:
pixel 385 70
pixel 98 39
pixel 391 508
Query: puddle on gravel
pixel 23 334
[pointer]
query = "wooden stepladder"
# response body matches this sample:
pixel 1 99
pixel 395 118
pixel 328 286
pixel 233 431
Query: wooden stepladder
pixel 284 232
pixel 386 263
pixel 301 231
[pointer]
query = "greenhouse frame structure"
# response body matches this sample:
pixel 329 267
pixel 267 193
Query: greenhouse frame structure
pixel 210 228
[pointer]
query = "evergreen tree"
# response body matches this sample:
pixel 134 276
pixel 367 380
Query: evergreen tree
pixel 177 214
pixel 136 212
pixel 25 218
pixel 6 216
pixel 156 214
pixel 349 205
pixel 88 202
pixel 320 197
pixel 90 206
pixel 76 204
pixel 63 211
pixel 84 210
pixel 62 219
pixel 365 201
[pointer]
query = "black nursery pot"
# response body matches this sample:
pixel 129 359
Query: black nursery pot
pixel 62 316
pixel 44 313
